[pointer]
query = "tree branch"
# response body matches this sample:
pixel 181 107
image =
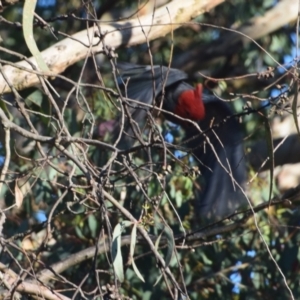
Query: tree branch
pixel 282 13
pixel 287 153
pixel 127 33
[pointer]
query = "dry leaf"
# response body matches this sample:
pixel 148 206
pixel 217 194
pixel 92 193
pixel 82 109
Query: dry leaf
pixel 19 195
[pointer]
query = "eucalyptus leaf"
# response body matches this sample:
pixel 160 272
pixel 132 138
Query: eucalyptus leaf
pixel 116 252
pixel 28 16
pixel 132 246
pixel 92 221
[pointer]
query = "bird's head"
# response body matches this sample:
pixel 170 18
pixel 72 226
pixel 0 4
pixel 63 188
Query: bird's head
pixel 190 104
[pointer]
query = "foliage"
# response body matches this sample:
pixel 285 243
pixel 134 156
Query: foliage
pixel 117 218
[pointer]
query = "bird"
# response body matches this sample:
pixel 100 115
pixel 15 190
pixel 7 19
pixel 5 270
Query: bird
pixel 145 83
pixel 220 153
pixel 217 147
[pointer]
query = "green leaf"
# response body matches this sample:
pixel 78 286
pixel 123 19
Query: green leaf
pixel 116 252
pixel 34 98
pixel 170 244
pixel 158 239
pixel 4 108
pixel 178 198
pixel 132 246
pixel 79 232
pixel 126 223
pixel 157 280
pixel 28 16
pixel 92 221
pixel 271 155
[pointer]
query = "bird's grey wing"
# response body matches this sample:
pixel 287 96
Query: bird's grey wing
pixel 222 162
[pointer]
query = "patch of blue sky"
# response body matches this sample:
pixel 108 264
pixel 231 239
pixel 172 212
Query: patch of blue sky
pixel 40 216
pixel 2 158
pixel 179 154
pixel 291 58
pixel 251 253
pixel 46 3
pixel 169 138
pixel 236 279
pixel 276 92
pixel 267 281
pixel 215 34
pixel 294 37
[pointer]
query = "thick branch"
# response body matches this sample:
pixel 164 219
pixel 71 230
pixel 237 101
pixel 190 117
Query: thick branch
pixel 70 50
pixel 10 279
pixel 284 12
pixel 287 153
